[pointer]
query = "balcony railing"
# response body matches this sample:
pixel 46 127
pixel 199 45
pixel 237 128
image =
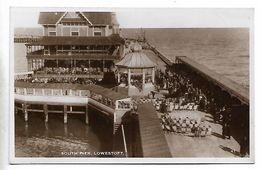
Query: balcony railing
pixel 68 52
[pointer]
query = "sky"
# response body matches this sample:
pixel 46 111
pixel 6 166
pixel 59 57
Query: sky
pixel 151 17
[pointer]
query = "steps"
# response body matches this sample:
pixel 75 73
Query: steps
pixel 116 127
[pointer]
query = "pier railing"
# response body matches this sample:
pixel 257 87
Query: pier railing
pixel 159 54
pixel 102 95
pixel 23 75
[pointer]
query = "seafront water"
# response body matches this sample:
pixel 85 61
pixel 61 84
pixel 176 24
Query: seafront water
pixel 225 51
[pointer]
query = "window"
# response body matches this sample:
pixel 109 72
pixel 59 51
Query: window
pixel 97 33
pixel 52 33
pixel 74 33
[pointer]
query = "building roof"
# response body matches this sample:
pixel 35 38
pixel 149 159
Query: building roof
pixel 136 60
pixel 113 39
pixel 101 18
pixel 232 87
pixel 49 17
pixel 95 18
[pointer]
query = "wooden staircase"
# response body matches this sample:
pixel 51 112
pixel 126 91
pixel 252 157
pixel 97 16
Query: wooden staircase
pixel 116 127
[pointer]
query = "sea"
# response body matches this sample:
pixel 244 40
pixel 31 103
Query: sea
pixel 223 50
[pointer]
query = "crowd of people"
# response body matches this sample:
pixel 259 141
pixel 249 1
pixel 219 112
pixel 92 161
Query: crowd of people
pixel 186 126
pixel 67 70
pixel 187 87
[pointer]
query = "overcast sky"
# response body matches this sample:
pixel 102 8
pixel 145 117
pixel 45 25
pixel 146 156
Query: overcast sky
pixel 151 18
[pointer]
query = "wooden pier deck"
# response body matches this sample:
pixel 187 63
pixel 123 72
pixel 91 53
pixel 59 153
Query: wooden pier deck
pixel 153 140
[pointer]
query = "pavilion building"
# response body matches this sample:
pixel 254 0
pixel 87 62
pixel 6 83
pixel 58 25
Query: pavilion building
pixel 136 72
pixel 77 42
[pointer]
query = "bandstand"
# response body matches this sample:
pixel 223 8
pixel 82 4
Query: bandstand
pixel 136 72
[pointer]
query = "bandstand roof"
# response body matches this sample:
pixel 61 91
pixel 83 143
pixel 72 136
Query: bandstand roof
pixel 136 60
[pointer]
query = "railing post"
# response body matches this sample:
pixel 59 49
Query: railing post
pixel 80 92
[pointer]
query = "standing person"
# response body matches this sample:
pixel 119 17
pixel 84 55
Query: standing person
pixel 224 122
pixel 212 109
pixel 228 123
pixel 163 107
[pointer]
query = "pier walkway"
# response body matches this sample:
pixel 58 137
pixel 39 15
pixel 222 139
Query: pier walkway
pixel 153 140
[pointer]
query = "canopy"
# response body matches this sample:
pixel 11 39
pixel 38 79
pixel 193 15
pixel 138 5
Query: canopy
pixel 136 60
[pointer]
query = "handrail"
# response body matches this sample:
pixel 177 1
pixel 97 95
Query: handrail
pixel 125 146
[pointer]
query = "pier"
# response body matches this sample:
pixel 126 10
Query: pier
pixel 70 99
pixel 25 39
pixel 65 65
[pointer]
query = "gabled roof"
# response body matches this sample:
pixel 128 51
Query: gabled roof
pixel 95 18
pixel 101 18
pixel 49 17
pixel 113 39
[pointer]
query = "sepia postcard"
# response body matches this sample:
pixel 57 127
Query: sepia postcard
pixel 126 85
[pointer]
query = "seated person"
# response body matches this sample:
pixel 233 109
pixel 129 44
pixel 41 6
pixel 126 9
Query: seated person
pixel 174 128
pixel 183 127
pixel 196 129
pixel 203 131
pixel 208 130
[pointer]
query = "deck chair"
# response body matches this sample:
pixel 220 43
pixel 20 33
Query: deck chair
pixel 190 107
pixel 168 128
pixel 171 106
pixel 157 107
pixel 195 107
pixel 163 127
pixel 176 107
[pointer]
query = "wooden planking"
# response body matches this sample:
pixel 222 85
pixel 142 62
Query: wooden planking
pixel 232 87
pixel 153 140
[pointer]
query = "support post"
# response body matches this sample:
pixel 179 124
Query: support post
pixel 16 110
pixel 153 75
pixel 118 76
pixel 86 115
pixel 25 112
pixel 46 116
pixel 103 65
pixel 65 129
pixel 65 115
pixel 129 77
pixel 143 79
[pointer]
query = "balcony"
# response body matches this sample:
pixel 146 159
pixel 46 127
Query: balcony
pixel 79 54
